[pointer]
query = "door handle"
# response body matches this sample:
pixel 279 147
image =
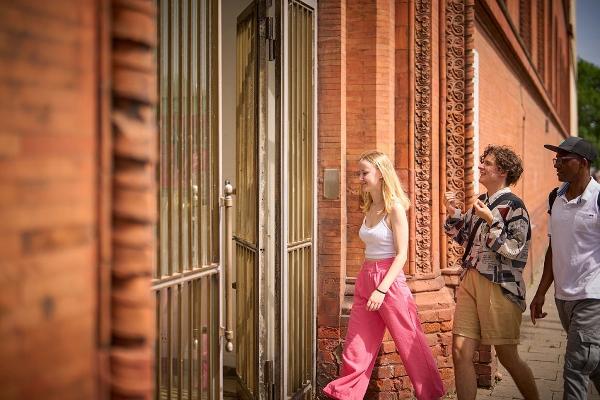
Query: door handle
pixel 228 192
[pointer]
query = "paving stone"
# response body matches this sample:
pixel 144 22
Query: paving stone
pixel 483 394
pixel 549 357
pixel 556 385
pixel 506 391
pixel 547 388
pixel 544 370
pixel 486 394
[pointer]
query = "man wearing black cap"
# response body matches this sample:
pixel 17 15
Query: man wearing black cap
pixel 573 263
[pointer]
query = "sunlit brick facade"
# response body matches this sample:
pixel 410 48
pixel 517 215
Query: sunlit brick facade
pixel 463 74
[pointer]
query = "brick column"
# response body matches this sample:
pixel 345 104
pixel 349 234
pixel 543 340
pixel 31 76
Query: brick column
pixel 134 197
pixel 370 100
pixel 331 212
pixel 418 114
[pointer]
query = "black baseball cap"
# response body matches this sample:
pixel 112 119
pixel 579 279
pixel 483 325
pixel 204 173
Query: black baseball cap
pixel 575 145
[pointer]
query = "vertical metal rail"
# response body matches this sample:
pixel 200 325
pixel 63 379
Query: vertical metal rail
pixel 228 265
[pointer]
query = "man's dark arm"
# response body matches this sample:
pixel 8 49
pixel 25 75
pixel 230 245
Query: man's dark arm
pixel 540 295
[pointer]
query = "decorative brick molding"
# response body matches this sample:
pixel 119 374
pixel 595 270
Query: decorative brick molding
pixel 525 22
pixel 422 141
pixel 541 39
pixel 455 113
pixel 469 104
pixel 134 196
pixel 459 28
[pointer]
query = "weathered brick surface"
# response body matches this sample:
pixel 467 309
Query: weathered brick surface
pixel 134 198
pixel 370 66
pixel 331 214
pixel 48 114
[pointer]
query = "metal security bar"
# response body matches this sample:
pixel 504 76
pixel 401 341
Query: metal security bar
pixel 186 337
pixel 300 197
pixel 246 245
pixel 187 278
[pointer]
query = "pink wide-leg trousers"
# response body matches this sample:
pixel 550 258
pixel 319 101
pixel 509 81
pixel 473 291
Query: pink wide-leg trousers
pixel 398 314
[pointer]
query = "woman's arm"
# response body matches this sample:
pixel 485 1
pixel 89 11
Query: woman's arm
pixel 399 225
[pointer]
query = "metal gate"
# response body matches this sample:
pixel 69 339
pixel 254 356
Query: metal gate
pixel 299 188
pixel 246 231
pixel 187 278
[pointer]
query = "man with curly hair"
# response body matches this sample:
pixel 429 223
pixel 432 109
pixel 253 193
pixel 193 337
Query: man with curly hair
pixel 491 297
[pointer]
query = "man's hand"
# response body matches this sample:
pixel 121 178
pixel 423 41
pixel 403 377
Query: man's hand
pixel 483 212
pixel 536 307
pixel 450 202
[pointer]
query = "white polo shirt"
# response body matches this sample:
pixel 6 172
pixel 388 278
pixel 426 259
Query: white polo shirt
pixel 574 227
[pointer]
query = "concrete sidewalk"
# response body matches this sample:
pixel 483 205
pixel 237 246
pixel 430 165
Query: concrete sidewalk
pixel 543 348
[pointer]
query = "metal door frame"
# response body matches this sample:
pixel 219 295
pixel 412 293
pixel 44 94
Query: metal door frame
pixel 251 11
pixel 263 238
pixel 263 202
pixel 283 195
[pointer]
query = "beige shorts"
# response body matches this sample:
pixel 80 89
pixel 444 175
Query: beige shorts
pixel 484 313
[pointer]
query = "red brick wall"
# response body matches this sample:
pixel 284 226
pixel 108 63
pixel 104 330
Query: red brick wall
pixel 552 35
pixel 332 212
pixel 369 101
pixel 402 90
pixel 48 191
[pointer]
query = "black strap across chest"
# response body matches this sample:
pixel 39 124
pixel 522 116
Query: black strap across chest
pixel 554 194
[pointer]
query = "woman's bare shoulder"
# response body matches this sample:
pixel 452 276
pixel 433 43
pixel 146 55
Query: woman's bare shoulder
pixel 397 212
pixel 397 208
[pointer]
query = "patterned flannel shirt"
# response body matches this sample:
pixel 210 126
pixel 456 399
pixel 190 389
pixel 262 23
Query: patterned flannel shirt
pixel 499 251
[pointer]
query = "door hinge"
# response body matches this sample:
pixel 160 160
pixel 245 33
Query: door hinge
pixel 269 380
pixel 266 30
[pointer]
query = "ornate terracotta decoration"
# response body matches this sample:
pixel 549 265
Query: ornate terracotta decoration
pixel 455 113
pixel 423 198
pixel 469 105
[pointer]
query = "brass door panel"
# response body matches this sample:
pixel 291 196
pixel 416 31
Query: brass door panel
pixel 246 227
pixel 187 278
pixel 300 278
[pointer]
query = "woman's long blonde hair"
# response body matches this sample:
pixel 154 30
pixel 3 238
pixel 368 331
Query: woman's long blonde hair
pixel 390 185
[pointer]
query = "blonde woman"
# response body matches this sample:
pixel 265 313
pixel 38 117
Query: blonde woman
pixel 381 298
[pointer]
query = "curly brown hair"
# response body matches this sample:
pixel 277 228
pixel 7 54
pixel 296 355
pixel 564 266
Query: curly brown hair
pixel 506 160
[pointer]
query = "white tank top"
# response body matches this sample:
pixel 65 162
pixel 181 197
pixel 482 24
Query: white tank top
pixel 379 240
